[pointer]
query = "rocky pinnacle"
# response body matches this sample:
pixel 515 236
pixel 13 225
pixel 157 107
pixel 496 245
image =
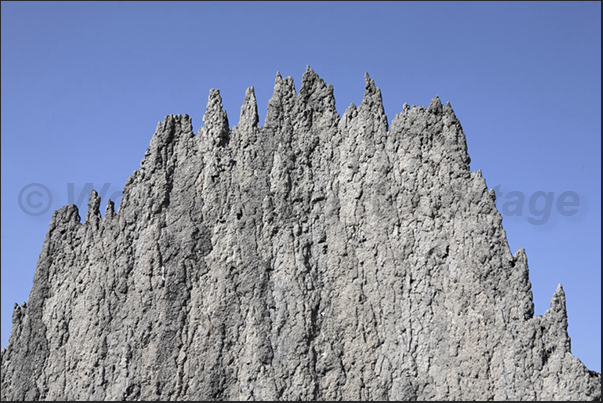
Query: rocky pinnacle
pixel 320 257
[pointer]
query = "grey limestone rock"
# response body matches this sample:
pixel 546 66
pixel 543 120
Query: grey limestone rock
pixel 318 258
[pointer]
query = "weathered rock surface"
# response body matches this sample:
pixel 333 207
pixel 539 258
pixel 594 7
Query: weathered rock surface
pixel 318 257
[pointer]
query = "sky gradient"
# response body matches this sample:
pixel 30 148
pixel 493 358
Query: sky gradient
pixel 85 83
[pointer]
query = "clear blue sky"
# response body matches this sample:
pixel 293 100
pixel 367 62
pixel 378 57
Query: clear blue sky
pixel 85 83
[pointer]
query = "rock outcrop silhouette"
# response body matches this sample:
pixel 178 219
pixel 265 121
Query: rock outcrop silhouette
pixel 317 257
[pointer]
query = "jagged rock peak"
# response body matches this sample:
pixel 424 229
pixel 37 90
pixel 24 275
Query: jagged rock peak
pixel 173 122
pixel 284 87
pixel 314 89
pixel 311 259
pixel 66 214
pixel 311 84
pixel 249 111
pixel 64 219
pixel 313 106
pixel 215 121
pixel 371 107
pixel 372 93
pixel 558 301
pixel 94 201
pixel 435 106
pixel 369 84
pixel 557 316
pixel 281 104
pixel 168 130
pixel 110 209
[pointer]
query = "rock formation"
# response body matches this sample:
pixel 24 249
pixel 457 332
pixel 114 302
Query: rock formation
pixel 317 257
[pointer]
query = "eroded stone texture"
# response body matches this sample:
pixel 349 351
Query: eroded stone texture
pixel 318 257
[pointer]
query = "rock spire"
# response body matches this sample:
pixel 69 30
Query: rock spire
pixel 320 257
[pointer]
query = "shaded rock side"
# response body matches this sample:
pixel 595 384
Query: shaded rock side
pixel 317 257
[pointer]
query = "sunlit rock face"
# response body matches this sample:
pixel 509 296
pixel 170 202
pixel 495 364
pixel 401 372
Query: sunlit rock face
pixel 317 257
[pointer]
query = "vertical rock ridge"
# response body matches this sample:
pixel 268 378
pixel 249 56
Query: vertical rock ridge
pixel 147 191
pixel 558 302
pixel 281 104
pixel 521 280
pixel 249 111
pixel 216 129
pixel 371 109
pixel 110 210
pixel 424 133
pixel 93 215
pixel 317 258
pixel 435 106
pixel 319 100
pixel 557 316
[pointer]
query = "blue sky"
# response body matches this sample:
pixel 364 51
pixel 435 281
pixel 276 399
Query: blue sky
pixel 85 83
